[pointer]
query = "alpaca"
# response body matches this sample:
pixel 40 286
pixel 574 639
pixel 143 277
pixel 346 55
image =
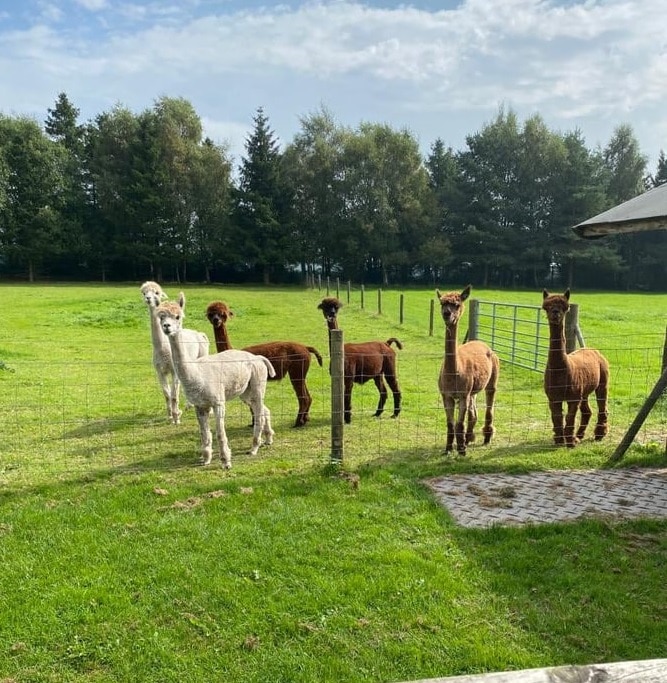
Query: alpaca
pixel 572 377
pixel 466 370
pixel 197 345
pixel 210 381
pixel 363 361
pixel 288 358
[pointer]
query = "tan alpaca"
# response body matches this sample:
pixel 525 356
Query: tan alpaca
pixel 466 370
pixel 572 377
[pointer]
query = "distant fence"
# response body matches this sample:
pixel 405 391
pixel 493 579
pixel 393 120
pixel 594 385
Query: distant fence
pixel 517 333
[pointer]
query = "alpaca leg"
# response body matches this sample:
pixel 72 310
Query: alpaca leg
pixel 448 402
pixel 556 408
pixel 488 429
pixel 460 427
pixel 268 430
pixel 382 388
pixel 225 452
pixel 570 418
pixel 175 392
pixel 586 413
pixel 602 426
pixel 167 393
pixel 347 401
pixel 472 420
pixel 258 421
pixel 304 398
pixel 396 392
pixel 205 436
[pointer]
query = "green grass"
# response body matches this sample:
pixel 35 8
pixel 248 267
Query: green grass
pixel 123 560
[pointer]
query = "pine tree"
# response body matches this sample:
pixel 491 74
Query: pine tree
pixel 262 204
pixel 660 176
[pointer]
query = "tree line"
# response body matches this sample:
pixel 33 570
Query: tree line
pixel 131 196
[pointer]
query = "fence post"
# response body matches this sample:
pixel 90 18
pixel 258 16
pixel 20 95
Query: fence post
pixel 337 395
pixel 362 297
pixel 337 288
pixel 473 320
pixel 349 286
pixel 571 327
pixel 379 302
pixel 430 318
pixel 400 309
pixel 328 285
pixel 319 282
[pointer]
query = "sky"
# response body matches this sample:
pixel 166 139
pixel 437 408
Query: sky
pixel 438 69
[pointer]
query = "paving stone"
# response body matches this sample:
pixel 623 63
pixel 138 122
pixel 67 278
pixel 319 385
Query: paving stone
pixel 483 500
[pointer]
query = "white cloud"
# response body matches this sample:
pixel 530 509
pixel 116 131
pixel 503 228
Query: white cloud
pixel 572 63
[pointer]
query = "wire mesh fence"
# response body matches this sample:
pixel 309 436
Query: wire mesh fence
pixel 65 413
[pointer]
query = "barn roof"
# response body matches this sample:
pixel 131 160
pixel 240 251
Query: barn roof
pixel 647 211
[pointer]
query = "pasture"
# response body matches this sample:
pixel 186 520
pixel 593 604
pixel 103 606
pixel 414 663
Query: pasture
pixel 124 560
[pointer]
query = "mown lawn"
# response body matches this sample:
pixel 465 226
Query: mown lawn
pixel 124 560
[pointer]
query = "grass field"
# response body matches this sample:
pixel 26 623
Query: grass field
pixel 123 560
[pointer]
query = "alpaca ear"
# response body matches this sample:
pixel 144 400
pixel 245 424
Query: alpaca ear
pixel 566 293
pixel 181 300
pixel 545 294
pixel 163 295
pixel 466 293
pixel 437 293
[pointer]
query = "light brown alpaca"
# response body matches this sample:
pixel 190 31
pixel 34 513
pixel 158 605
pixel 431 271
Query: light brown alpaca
pixel 572 377
pixel 466 370
pixel 287 358
pixel 363 361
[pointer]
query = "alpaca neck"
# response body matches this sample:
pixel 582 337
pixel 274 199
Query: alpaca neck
pixel 222 342
pixel 557 351
pixel 450 348
pixel 157 335
pixel 185 368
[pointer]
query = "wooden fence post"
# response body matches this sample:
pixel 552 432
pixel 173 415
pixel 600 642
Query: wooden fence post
pixel 379 302
pixel 337 288
pixel 337 371
pixel 400 309
pixel 319 282
pixel 571 327
pixel 430 318
pixel 328 285
pixel 362 297
pixel 349 287
pixel 473 320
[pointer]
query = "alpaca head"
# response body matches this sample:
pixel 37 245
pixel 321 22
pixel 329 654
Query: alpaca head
pixel 330 307
pixel 218 312
pixel 152 293
pixel 556 305
pixel 451 305
pixel 171 315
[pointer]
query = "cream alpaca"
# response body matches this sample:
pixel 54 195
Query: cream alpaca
pixel 209 382
pixel 197 346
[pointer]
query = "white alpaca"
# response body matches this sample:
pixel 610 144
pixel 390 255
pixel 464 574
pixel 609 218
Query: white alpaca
pixel 197 346
pixel 210 381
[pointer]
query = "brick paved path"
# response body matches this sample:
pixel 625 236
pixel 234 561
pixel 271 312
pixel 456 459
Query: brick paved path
pixel 482 500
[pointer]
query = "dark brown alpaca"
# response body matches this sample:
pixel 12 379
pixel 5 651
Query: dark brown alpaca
pixel 367 360
pixel 287 358
pixel 572 377
pixel 466 370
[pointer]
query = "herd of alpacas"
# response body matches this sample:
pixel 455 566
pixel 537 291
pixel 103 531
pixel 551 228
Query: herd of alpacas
pixel 181 359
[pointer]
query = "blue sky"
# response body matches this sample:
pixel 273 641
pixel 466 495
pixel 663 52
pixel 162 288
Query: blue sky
pixel 439 69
